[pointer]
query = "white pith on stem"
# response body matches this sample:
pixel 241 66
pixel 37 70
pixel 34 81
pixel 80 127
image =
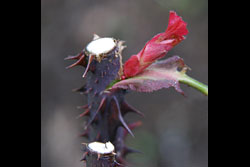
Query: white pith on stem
pixel 101 46
pixel 101 148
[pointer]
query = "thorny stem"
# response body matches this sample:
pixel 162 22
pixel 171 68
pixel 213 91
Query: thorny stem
pixel 185 79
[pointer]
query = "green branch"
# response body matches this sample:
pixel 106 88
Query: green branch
pixel 185 79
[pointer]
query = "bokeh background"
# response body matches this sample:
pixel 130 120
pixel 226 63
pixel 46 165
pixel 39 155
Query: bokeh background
pixel 175 130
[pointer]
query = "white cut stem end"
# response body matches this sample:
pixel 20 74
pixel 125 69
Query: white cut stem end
pixel 101 148
pixel 101 46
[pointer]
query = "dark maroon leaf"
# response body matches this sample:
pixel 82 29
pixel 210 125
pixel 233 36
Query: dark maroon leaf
pixel 162 74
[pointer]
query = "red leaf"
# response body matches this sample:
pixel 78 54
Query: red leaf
pixel 157 47
pixel 162 74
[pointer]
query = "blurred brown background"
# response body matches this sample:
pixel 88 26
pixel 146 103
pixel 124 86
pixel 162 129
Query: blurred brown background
pixel 175 130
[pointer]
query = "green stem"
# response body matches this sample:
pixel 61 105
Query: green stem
pixel 195 84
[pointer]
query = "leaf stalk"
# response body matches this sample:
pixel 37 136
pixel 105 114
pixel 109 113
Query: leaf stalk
pixel 194 84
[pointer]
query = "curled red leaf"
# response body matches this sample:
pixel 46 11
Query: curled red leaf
pixel 157 47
